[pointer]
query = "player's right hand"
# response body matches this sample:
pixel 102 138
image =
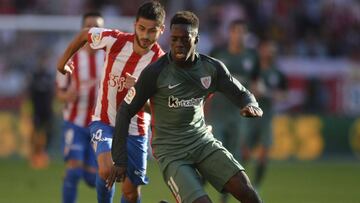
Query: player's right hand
pixel 117 174
pixel 68 68
pixel 251 111
pixel 130 80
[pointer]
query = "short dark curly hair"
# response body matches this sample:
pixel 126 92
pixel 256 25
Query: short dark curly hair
pixel 185 17
pixel 152 10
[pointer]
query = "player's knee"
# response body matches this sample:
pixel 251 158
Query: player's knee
pixel 240 186
pixel 72 163
pixel 73 175
pixel 130 192
pixel 249 193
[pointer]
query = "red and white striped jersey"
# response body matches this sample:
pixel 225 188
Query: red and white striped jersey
pixel 86 76
pixel 120 59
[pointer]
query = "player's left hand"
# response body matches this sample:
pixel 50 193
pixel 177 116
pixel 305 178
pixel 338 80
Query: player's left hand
pixel 117 174
pixel 251 111
pixel 130 80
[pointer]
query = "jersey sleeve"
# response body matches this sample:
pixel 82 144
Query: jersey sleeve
pixel 232 88
pixel 135 99
pixel 99 38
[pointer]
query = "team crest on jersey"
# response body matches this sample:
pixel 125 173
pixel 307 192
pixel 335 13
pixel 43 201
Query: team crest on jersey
pixel 206 81
pixel 130 95
pixel 95 38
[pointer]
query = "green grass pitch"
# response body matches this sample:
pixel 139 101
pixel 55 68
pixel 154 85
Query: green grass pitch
pixel 286 182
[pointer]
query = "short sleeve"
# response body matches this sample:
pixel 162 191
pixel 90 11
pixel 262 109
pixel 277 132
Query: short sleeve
pixel 99 38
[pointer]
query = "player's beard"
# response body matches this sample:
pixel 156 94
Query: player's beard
pixel 144 43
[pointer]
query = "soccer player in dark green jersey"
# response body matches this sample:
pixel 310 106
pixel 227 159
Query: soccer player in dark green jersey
pixel 177 86
pixel 241 60
pixel 270 87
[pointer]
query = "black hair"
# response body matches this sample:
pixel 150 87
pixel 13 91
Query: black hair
pixel 152 10
pixel 90 14
pixel 236 22
pixel 185 17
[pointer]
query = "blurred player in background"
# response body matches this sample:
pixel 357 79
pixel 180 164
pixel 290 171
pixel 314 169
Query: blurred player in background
pixel 177 86
pixel 269 88
pixel 78 92
pixel 42 95
pixel 127 54
pixel 243 64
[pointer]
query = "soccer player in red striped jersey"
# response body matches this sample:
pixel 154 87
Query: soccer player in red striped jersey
pixel 127 54
pixel 78 92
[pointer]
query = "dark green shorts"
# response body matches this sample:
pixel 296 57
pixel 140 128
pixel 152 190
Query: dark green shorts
pixel 211 161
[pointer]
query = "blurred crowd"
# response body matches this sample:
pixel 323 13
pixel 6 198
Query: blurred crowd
pixel 323 29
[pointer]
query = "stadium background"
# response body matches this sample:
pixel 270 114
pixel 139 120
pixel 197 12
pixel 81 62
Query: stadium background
pixel 316 149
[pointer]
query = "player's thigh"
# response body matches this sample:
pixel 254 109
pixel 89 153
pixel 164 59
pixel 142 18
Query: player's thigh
pixel 218 167
pixel 105 164
pixel 184 182
pixel 101 137
pixel 137 159
pixel 101 142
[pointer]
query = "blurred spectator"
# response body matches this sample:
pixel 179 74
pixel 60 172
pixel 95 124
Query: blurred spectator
pixel 243 64
pixel 41 94
pixel 269 88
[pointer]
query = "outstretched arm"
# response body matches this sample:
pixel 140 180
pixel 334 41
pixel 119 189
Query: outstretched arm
pixel 237 93
pixel 80 39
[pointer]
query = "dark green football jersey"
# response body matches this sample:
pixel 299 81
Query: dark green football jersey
pixel 177 97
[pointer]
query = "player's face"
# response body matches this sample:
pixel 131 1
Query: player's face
pixel 182 42
pixel 147 32
pixel 237 34
pixel 93 21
